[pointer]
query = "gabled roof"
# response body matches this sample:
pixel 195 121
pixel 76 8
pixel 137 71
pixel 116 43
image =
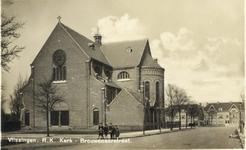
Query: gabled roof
pixel 118 55
pixel 135 95
pixel 224 106
pixel 82 41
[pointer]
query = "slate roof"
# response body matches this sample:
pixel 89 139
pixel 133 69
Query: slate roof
pixel 137 95
pixel 118 56
pixel 224 106
pixel 149 62
pixel 82 41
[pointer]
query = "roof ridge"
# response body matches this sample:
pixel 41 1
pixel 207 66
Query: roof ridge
pixel 75 31
pixel 62 25
pixel 142 39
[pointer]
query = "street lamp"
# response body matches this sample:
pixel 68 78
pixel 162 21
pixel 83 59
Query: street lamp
pixel 142 90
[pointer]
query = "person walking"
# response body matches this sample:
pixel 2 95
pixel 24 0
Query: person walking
pixel 106 130
pixel 110 130
pixel 117 132
pixel 100 128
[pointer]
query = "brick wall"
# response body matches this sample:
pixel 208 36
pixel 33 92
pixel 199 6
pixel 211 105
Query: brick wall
pixel 125 111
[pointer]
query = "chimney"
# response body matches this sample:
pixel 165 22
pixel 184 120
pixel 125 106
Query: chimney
pixel 200 104
pixel 206 103
pixel 230 102
pixel 156 60
pixel 218 102
pixel 98 38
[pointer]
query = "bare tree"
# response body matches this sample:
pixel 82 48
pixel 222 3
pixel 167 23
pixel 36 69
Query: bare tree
pixel 8 34
pixel 47 94
pixel 181 98
pixel 16 97
pixel 193 111
pixel 170 99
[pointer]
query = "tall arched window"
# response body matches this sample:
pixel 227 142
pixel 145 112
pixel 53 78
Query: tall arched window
pixel 27 118
pixel 147 92
pixel 123 75
pixel 157 91
pixel 59 69
pixel 95 116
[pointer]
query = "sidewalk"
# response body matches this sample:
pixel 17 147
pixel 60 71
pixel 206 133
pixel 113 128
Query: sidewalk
pixel 39 136
pixel 242 138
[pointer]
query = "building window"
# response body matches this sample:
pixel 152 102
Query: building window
pixel 59 69
pixel 96 116
pixel 146 87
pixel 27 117
pixel 60 114
pixel 157 91
pixel 220 109
pixel 227 116
pixel 123 75
pixel 60 118
pixel 108 74
pixel 98 71
pixel 183 116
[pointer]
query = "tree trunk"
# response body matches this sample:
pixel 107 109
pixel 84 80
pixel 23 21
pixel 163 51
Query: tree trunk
pixel 179 119
pixel 172 120
pixel 47 113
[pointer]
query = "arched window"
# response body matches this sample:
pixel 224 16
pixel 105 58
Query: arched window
pixel 98 71
pixel 95 116
pixel 27 118
pixel 123 75
pixel 59 69
pixel 108 74
pixel 146 87
pixel 157 91
pixel 60 114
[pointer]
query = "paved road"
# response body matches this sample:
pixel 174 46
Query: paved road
pixel 200 138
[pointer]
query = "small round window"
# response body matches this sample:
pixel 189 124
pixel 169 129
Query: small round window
pixel 129 50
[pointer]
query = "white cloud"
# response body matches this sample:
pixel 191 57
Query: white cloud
pixel 209 72
pixel 117 29
pixel 179 42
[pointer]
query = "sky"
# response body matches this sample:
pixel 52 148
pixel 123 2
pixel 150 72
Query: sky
pixel 200 43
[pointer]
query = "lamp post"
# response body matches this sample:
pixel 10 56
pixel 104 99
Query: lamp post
pixel 240 116
pixel 142 90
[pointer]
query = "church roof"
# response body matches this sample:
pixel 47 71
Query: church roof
pixel 82 41
pixel 124 54
pixel 149 62
pixel 224 106
pixel 137 95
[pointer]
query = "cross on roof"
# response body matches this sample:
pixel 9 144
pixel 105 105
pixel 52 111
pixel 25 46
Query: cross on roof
pixel 59 18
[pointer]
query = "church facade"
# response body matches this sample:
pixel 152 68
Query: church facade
pixel 103 83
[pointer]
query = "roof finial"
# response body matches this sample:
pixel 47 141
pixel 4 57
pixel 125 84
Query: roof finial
pixel 59 18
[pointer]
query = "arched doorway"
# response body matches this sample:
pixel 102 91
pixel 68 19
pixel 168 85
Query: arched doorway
pixel 95 116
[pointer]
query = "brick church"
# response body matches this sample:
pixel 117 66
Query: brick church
pixel 116 82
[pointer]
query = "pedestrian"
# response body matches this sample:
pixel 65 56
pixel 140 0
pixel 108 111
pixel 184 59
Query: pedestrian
pixel 100 128
pixel 110 129
pixel 113 132
pixel 117 132
pixel 106 130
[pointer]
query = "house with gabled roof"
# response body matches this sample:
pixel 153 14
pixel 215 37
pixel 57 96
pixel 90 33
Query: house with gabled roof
pixel 189 113
pixel 104 83
pixel 222 114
